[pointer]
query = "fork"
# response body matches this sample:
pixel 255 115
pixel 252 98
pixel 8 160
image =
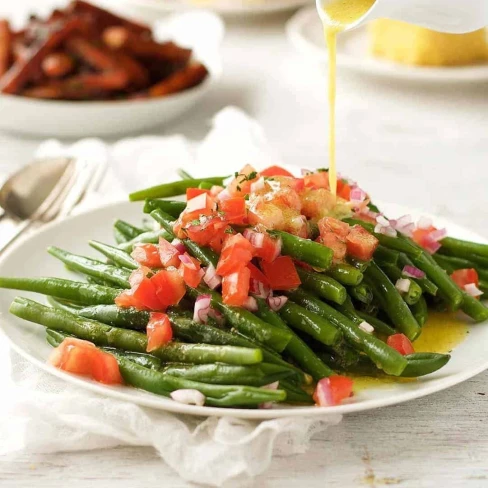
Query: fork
pixel 79 179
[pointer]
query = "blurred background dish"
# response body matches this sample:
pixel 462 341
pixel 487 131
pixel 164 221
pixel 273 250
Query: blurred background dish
pixel 83 71
pixel 396 50
pixel 146 9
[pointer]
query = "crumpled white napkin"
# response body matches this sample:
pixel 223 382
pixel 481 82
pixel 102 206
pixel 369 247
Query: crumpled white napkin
pixel 42 413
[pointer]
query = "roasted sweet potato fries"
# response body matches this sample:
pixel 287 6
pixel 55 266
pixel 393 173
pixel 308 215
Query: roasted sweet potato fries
pixel 86 53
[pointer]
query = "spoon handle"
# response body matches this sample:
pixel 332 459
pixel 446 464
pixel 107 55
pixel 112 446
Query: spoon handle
pixel 17 232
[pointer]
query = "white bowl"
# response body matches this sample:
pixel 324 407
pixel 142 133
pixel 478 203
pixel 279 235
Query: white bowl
pixel 113 117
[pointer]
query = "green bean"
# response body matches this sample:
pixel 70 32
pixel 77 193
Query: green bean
pixel 324 286
pixel 424 283
pixel 386 255
pixel 379 326
pixel 126 318
pixel 464 248
pixel 65 289
pixel 205 185
pixel 422 363
pixel 346 274
pixel 92 267
pixel 310 252
pixel 108 336
pixel 245 322
pixel 216 395
pixel 118 256
pixel 452 263
pixel 392 302
pixel 172 189
pixel 362 293
pixel 128 230
pixel 420 311
pixel 386 358
pixel 359 264
pixel 229 374
pixel 98 281
pixel 447 288
pixel 394 273
pixel 151 237
pixel 64 305
pixel 183 174
pixel 474 308
pixel 295 394
pixel 310 323
pixel 119 237
pixel 171 207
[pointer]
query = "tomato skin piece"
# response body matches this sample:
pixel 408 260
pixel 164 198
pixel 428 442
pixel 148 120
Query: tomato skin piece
pixel 169 288
pixel 317 180
pixel 234 210
pixel 147 255
pixel 194 192
pixel 241 185
pixel 360 243
pixel 237 252
pixel 191 273
pixel 330 224
pixel 332 390
pixel 275 171
pixel 467 276
pixel 159 331
pixel 168 254
pixel 281 273
pixel 83 358
pixel 257 274
pixel 235 287
pixel 336 243
pixel 401 343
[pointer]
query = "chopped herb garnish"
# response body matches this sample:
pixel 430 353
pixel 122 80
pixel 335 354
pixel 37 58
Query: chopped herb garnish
pixel 229 231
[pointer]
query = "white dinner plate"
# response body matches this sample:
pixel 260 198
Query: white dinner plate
pixel 29 258
pixel 305 32
pixel 78 119
pixel 224 7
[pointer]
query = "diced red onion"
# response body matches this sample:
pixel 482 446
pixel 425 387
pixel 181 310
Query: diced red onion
pixel 188 397
pixel 357 195
pixel 186 260
pixel 403 285
pixel 224 195
pixel 271 386
pixel 430 245
pixel 257 288
pixel 215 190
pixel 438 234
pixel 215 314
pixel 251 304
pixel 180 247
pixel 382 220
pixel 473 290
pixel 412 272
pixel 424 223
pixel 197 203
pixel 257 185
pixel 275 303
pixel 387 231
pixel 323 393
pixel 364 326
pixel 211 278
pixel 278 245
pixel 404 225
pixel 255 238
pixel 201 309
pixel 305 172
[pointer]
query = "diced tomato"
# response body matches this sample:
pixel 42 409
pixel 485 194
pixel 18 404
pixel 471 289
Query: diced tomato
pixel 83 358
pixel 235 287
pixel 168 253
pixel 194 192
pixel 190 270
pixel 205 230
pixel 463 277
pixel 234 210
pixel 287 199
pixel 198 208
pixel 142 294
pixel 297 225
pixel 270 249
pixel 281 273
pixel 159 331
pixel 317 203
pixel 217 241
pixel 169 288
pixel 241 184
pixel 257 274
pixel 401 343
pixel 343 190
pixel 332 390
pixel 330 224
pixel 275 171
pixel 215 190
pixel 421 236
pixel 147 255
pixel 360 243
pixel 267 214
pixel 336 243
pixel 237 252
pixel 317 180
pixel 296 184
pixel 365 218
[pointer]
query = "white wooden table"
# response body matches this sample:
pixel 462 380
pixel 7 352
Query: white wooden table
pixel 424 146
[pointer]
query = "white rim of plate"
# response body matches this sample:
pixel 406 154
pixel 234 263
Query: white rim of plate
pixel 304 21
pixel 154 401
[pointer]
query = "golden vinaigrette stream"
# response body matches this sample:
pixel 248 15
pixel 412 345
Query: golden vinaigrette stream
pixel 339 14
